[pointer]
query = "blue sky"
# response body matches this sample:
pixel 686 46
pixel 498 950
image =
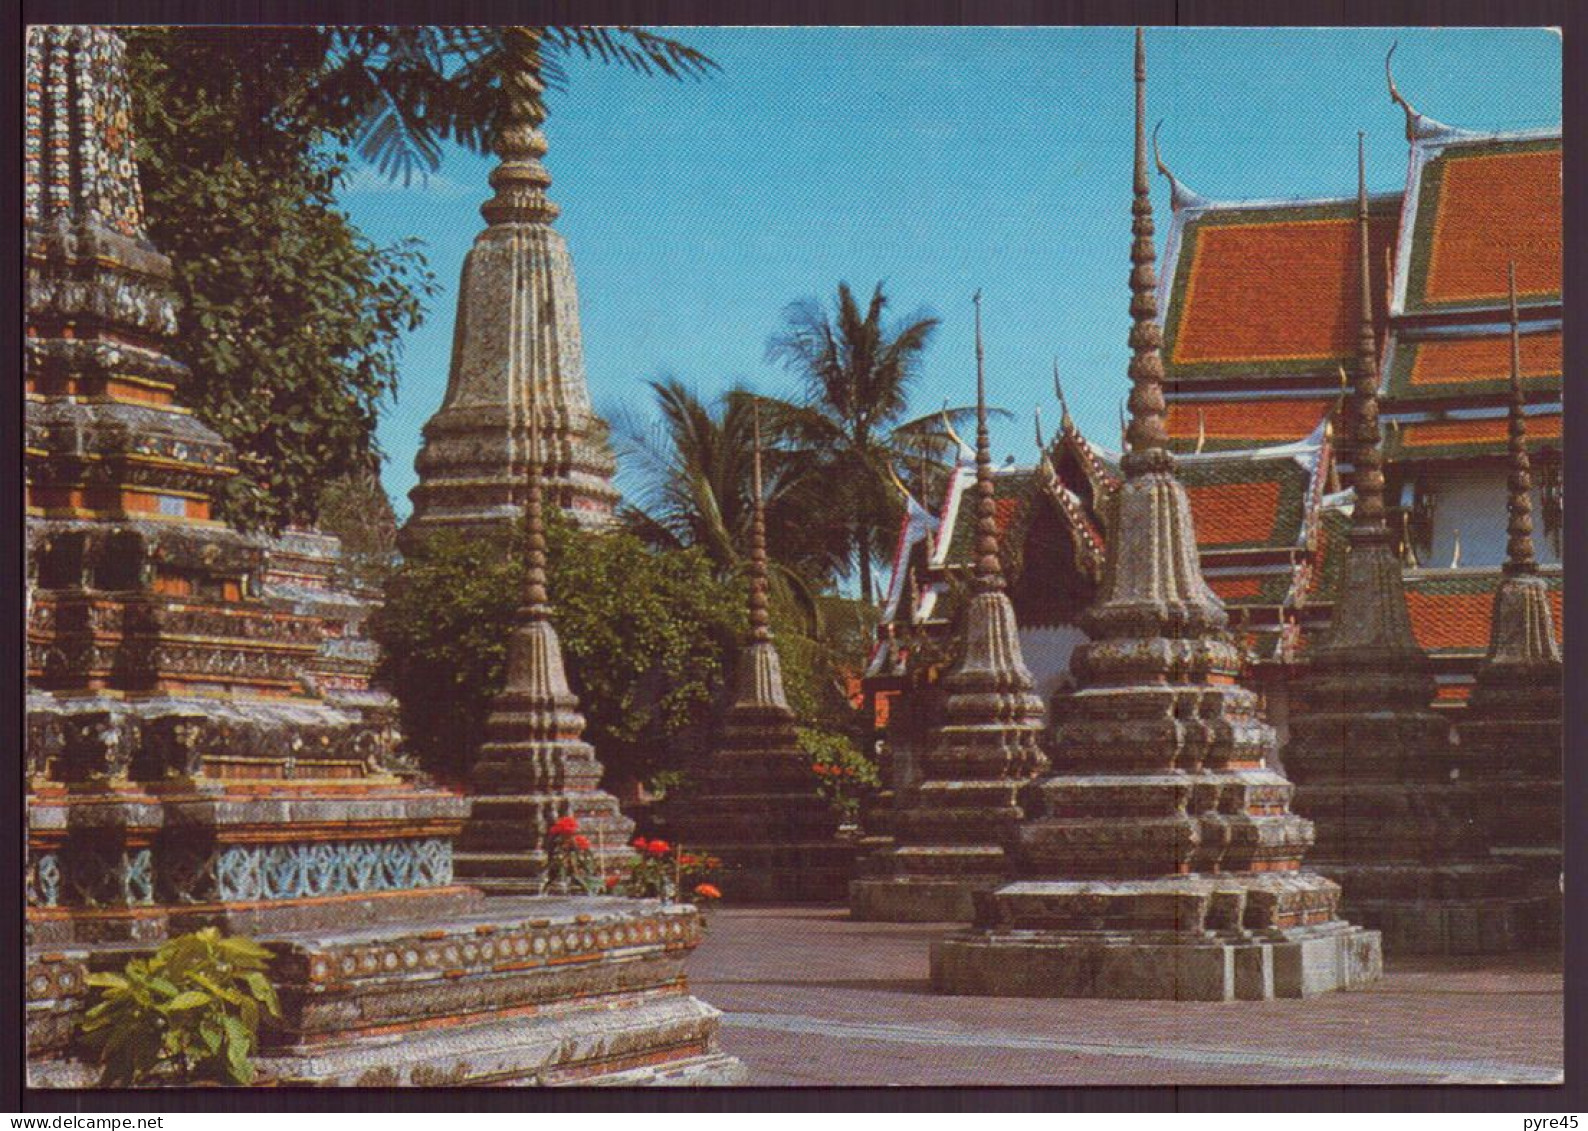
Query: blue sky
pixel 939 160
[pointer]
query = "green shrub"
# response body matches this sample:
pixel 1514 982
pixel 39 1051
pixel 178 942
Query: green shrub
pixel 189 1013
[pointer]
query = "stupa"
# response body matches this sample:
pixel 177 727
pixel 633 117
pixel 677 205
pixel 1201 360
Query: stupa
pixel 951 825
pixel 179 774
pixel 757 807
pixel 534 767
pixel 1512 733
pixel 1163 861
pixel 1397 825
pixel 517 388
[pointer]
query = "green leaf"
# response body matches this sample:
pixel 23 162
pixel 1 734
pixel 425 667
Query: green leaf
pixel 191 999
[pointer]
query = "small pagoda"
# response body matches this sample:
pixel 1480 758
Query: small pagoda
pixel 1162 861
pixel 757 807
pixel 517 385
pixel 1512 733
pixel 534 768
pixel 1372 760
pixel 952 823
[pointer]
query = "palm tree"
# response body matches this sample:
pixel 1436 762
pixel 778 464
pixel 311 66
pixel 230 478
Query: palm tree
pixel 694 471
pixel 408 89
pixel 857 370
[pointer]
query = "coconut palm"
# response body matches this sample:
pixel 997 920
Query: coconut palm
pixel 693 468
pixel 857 371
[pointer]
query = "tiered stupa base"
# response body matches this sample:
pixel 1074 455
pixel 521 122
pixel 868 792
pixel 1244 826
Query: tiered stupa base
pixel 532 770
pixel 760 814
pixel 1196 938
pixel 510 992
pixel 951 828
pixel 1399 825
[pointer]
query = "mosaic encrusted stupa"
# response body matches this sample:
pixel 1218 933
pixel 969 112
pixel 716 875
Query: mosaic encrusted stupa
pixel 179 773
pixel 756 805
pixel 1511 736
pixel 180 770
pixel 517 386
pixel 1372 760
pixel 1162 860
pixel 950 826
pixel 534 767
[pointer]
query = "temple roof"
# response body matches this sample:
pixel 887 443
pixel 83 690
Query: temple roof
pixel 1471 362
pixel 1467 438
pixel 1450 608
pixel 1267 289
pixel 1243 422
pixel 1252 500
pixel 1473 204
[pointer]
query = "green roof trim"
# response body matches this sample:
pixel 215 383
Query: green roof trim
pixel 1429 185
pixel 1379 207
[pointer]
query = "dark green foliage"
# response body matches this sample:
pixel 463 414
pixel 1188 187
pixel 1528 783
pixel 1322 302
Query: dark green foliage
pixel 358 511
pixel 188 1013
pixel 291 319
pixel 644 633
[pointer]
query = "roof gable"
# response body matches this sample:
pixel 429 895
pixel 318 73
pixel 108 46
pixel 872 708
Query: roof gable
pixel 1271 290
pixel 1473 206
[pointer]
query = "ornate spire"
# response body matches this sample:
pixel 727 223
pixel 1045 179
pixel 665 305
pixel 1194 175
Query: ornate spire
pixel 1519 557
pixel 989 570
pixel 537 605
pixel 760 622
pixel 1146 435
pixel 520 180
pixel 1367 452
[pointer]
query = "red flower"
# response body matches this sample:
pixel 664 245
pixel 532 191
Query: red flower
pixel 686 860
pixel 582 843
pixel 639 843
pixel 658 848
pixel 707 891
pixel 612 881
pixel 564 826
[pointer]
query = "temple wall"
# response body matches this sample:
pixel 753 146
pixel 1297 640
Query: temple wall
pixel 1471 501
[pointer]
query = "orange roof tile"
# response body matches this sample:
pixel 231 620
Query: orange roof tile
pixel 1459 622
pixel 1494 208
pixel 1236 588
pixel 1268 291
pixel 1227 514
pixel 1494 430
pixel 1269 421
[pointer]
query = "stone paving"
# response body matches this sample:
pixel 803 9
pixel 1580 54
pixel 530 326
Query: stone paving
pixel 811 997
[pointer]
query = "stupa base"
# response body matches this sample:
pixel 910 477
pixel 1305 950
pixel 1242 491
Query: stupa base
pixel 520 992
pixel 917 899
pixel 1304 962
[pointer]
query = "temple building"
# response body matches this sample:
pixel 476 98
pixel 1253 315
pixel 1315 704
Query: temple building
pixel 198 752
pixel 517 356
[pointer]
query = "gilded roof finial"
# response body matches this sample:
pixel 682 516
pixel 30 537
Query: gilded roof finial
pixel 1065 420
pixel 1202 429
pixel 1519 555
pixel 1179 196
pixel 1367 454
pixel 989 570
pixel 1146 436
pixel 1418 126
pixel 1037 418
pixel 760 620
pixel 959 441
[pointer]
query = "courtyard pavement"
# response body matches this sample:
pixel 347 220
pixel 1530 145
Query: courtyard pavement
pixel 811 998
